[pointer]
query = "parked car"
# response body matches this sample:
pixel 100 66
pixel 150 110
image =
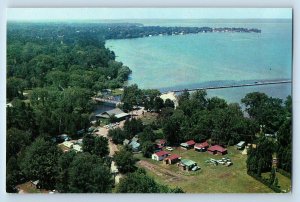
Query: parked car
pixel 195 168
pixel 169 148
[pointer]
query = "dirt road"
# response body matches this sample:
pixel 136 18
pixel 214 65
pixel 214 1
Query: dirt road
pixel 168 175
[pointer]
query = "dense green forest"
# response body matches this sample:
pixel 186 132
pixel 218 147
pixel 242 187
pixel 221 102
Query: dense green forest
pixel 53 70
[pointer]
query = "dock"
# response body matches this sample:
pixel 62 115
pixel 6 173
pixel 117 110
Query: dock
pixel 232 86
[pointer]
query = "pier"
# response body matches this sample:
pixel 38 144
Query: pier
pixel 233 86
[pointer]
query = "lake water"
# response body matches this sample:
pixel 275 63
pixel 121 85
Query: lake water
pixel 198 60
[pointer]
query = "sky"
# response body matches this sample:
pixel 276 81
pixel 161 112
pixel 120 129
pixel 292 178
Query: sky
pixel 29 14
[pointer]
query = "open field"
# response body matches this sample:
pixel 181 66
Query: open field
pixel 149 117
pixel 210 179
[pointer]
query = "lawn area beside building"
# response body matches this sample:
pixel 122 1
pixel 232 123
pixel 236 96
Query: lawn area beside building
pixel 210 178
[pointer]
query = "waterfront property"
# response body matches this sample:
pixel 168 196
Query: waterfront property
pixel 217 149
pixel 118 113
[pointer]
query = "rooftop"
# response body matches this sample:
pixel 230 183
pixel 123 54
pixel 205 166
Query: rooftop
pixel 188 162
pixel 217 148
pixel 161 153
pixel 173 156
pixel 202 145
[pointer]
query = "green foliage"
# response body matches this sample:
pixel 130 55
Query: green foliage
pixel 117 135
pixel 132 127
pixel 284 148
pixel 85 174
pixel 265 110
pixel 158 104
pixel 15 141
pixel 13 174
pixel 15 87
pixel 260 159
pixel 140 182
pixel 147 135
pixel 63 164
pixel 40 162
pixel 95 145
pixel 147 149
pixel 21 116
pixel 113 119
pixel 125 161
pixel 215 102
pixel 169 103
pixel 132 96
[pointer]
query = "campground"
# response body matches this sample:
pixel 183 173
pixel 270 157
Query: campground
pixel 210 178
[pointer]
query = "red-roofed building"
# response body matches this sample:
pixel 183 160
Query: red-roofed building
pixel 161 142
pixel 158 156
pixel 201 146
pixel 158 147
pixel 217 149
pixel 191 143
pixel 187 145
pixel 174 158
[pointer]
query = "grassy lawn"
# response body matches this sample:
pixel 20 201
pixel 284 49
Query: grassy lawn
pixel 117 91
pixel 149 118
pixel 210 179
pixel 284 182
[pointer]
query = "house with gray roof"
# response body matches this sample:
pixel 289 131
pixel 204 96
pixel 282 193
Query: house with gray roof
pixel 118 113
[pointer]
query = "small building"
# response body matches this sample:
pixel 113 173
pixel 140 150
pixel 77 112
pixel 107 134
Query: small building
pixel 118 113
pixel 201 147
pixel 174 158
pixel 158 156
pixel 188 145
pixel 135 139
pixel 187 164
pixel 217 149
pixel 77 148
pixel 158 148
pixel 161 142
pixel 68 144
pixel 126 142
pixel 135 146
pixel 241 145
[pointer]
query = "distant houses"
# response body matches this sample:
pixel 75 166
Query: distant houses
pixel 217 149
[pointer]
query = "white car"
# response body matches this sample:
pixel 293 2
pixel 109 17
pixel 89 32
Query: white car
pixel 169 148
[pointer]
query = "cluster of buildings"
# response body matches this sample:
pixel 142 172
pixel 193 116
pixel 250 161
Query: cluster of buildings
pixel 75 145
pixel 186 164
pixel 203 147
